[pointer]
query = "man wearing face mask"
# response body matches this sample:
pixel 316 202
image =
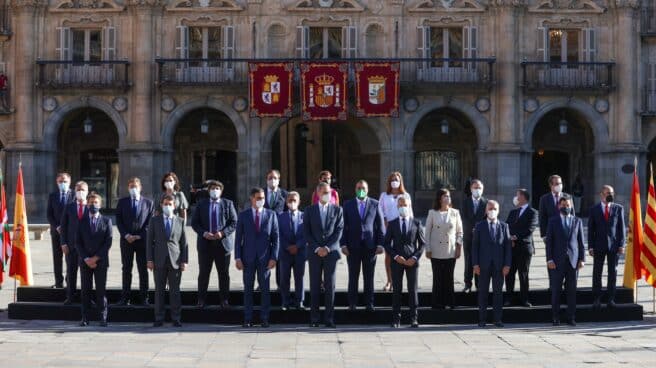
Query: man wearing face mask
pixel 73 214
pixel 361 242
pixel 168 254
pixel 492 257
pixel 522 222
pixel 57 202
pixel 256 253
pixel 275 196
pixel 291 254
pixel 94 238
pixel 133 215
pixel 322 229
pixel 405 242
pixel 606 237
pixel 214 221
pixel 549 203
pixel 565 257
pixel 473 212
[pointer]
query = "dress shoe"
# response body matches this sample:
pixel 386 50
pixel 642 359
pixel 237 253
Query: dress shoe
pixel 555 322
pixel 527 304
pixel 611 304
pixel 247 324
pixel 467 289
pixel 103 323
pixel 596 304
pixel 300 307
pixel 225 305
pixel 481 324
pixel 57 286
pixel 177 324
pixel 451 307
pixel 371 308
pixel 84 323
pixel 68 301
pixel 122 301
pixel 498 324
pixel 571 322
pixel 200 304
pixel 314 325
pixel 144 302
pixel 330 325
pixel 507 303
pixel 395 324
pixel 414 324
pixel 265 324
pixel 158 324
pixel 351 308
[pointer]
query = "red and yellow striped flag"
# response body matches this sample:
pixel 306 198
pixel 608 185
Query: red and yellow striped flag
pixel 20 266
pixel 632 265
pixel 648 254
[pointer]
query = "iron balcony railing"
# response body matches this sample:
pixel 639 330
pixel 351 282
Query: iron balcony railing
pixel 567 76
pixel 106 74
pixel 648 19
pixel 192 72
pixel 649 105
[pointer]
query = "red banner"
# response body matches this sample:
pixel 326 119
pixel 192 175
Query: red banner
pixel 323 87
pixel 270 89
pixel 377 89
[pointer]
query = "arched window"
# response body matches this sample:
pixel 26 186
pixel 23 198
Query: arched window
pixel 276 41
pixel 374 41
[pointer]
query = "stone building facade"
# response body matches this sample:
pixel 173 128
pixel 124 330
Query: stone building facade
pixel 510 91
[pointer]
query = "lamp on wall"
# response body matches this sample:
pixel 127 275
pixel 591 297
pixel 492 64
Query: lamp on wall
pixel 88 125
pixel 444 126
pixel 204 124
pixel 562 125
pixel 305 134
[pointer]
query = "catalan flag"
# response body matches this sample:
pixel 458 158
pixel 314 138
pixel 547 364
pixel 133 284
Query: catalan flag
pixel 648 254
pixel 20 266
pixel 632 266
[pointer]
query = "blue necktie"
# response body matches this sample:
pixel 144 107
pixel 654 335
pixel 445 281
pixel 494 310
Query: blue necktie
pixel 492 233
pixel 293 227
pixel 362 210
pixel 134 208
pixel 94 224
pixel 168 227
pixel 215 224
pixel 404 229
pixel 62 199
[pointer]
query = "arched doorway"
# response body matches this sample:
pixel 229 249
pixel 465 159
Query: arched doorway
pixel 445 144
pixel 205 147
pixel 563 143
pixel 350 150
pixel 87 148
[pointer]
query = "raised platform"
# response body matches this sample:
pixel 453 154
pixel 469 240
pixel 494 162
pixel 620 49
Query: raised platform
pixel 46 303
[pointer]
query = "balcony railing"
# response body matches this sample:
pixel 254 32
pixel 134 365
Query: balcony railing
pixel 567 76
pixel 454 72
pixel 108 74
pixel 5 27
pixel 649 102
pixel 648 20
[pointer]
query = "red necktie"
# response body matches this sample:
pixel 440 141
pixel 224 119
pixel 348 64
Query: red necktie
pixel 257 221
pixel 80 211
pixel 606 212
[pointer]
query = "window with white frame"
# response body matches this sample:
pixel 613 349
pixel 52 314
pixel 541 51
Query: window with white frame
pixel 561 45
pixel 206 43
pixel 447 43
pixel 86 44
pixel 326 42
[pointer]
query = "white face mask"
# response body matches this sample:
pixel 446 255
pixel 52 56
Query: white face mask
pixel 63 186
pixel 134 192
pixel 273 183
pixel 325 198
pixel 404 211
pixel 169 184
pixel 81 195
pixel 515 201
pixel 558 188
pixel 259 204
pixel 477 193
pixel 492 214
pixel 168 210
pixel 215 193
pixel 395 184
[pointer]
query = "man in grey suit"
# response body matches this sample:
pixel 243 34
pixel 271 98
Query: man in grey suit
pixel 167 255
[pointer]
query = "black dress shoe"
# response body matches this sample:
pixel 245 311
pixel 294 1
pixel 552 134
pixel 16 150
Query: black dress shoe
pixel 507 303
pixel 314 325
pixel 371 308
pixel 414 324
pixel 177 324
pixel 596 304
pixel 300 307
pixel 200 305
pixel 611 304
pixel 395 324
pixel 225 305
pixel 144 302
pixel 452 307
pixel 527 304
pixel 158 324
pixel 103 323
pixel 57 286
pixel 265 324
pixel 481 324
pixel 498 324
pixel 331 325
pixel 571 322
pixel 351 308
pixel 68 301
pixel 247 324
pixel 84 323
pixel 122 301
pixel 467 289
pixel 555 322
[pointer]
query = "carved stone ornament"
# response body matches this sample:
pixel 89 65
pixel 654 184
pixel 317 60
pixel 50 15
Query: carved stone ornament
pixel 531 104
pixel 331 5
pixel 49 104
pixel 446 6
pixel 120 104
pixel 482 104
pixel 167 104
pixel 570 6
pixel 411 104
pixel 204 5
pixel 240 104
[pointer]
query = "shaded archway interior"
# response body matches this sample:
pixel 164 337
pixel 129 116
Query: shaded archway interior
pixel 349 149
pixel 91 155
pixel 445 144
pixel 567 153
pixel 201 155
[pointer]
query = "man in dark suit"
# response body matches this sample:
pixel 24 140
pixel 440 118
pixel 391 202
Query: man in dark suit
pixel 549 203
pixel 94 238
pixel 256 253
pixel 522 222
pixel 362 241
pixel 492 257
pixel 565 256
pixel 405 242
pixel 473 211
pixel 133 214
pixel 606 237
pixel 73 214
pixel 322 228
pixel 167 253
pixel 291 254
pixel 275 198
pixel 214 221
pixel 57 202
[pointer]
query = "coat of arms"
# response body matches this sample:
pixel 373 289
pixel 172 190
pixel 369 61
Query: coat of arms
pixel 376 89
pixel 326 93
pixel 271 90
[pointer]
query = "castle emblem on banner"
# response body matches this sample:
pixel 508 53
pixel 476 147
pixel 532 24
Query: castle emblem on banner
pixel 376 89
pixel 271 90
pixel 324 92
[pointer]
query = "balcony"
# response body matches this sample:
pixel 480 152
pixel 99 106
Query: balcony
pixel 430 72
pixel 109 74
pixel 558 77
pixel 649 104
pixel 648 21
pixel 5 28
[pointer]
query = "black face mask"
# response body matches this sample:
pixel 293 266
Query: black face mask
pixel 565 210
pixel 609 198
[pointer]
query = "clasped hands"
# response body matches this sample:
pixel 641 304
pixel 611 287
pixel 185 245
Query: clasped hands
pixel 213 236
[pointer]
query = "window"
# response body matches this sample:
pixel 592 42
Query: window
pixel 447 43
pixel 437 169
pixel 86 44
pixel 566 45
pixel 326 42
pixel 563 45
pixel 375 42
pixel 205 43
pixel 651 87
pixel 276 41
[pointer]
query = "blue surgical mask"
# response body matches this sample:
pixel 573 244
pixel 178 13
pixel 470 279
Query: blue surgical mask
pixel 93 209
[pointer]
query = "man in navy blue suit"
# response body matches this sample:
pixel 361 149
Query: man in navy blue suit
pixel 256 253
pixel 606 237
pixel 291 254
pixel 94 238
pixel 57 202
pixel 565 256
pixel 491 257
pixel 361 242
pixel 275 198
pixel 214 221
pixel 322 228
pixel 133 215
pixel 73 214
pixel 549 203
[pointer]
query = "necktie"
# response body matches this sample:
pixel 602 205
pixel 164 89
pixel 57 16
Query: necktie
pixel 556 200
pixel 80 211
pixel 62 198
pixel 214 221
pixel 607 212
pixel 475 205
pixel 94 224
pixel 272 199
pixel 293 227
pixel 168 227
pixel 404 228
pixel 362 210
pixel 134 208
pixel 492 232
pixel 257 221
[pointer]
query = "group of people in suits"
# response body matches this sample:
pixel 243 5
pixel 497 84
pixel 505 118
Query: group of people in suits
pixel 273 235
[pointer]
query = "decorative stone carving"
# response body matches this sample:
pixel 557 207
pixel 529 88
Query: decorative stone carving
pixel 531 104
pixel 240 104
pixel 576 6
pixel 447 5
pixel 49 104
pixel 120 104
pixel 410 104
pixel 167 104
pixel 332 5
pixel 482 104
pixel 204 5
pixel 601 105
pixel 18 5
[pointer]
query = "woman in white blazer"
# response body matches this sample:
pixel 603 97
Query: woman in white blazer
pixel 444 240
